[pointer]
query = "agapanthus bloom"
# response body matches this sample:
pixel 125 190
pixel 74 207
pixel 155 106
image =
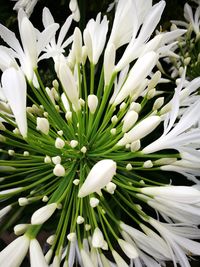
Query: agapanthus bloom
pixel 85 156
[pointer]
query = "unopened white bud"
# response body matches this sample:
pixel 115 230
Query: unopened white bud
pixel 47 159
pixel 141 130
pixel 122 106
pixel 187 61
pixel 20 229
pixel 45 198
pixel 154 80
pixel 148 164
pixel 71 237
pixel 158 103
pixel 51 239
pixel 94 202
pixel 43 214
pixel 45 114
pixel 135 146
pixel 135 106
pixel 16 131
pixel 83 149
pixel 113 131
pixel 114 119
pixel 60 132
pixel 165 161
pixel 80 220
pixel 99 176
pixel 81 102
pixel 76 181
pixel 110 187
pixel 92 103
pixel 55 84
pixel 59 170
pixel 43 125
pixel 23 201
pixel 59 143
pixel 11 152
pixel 97 238
pixel 129 167
pixel 127 146
pixel 87 227
pixel 73 143
pixel 26 153
pixel 56 159
pixel 151 93
pixel 129 120
pixel 105 245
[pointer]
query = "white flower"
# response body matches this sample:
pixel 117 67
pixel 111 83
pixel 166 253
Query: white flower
pixel 4 211
pixel 192 19
pixel 26 5
pixel 15 252
pixel 56 47
pixel 99 176
pixel 32 43
pixel 69 84
pixel 43 214
pixel 176 136
pixel 94 37
pixel 179 244
pixel 14 89
pixel 139 71
pixel 36 255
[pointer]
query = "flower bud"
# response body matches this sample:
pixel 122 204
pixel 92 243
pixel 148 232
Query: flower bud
pixel 43 125
pixel 142 129
pixel 99 176
pixel 92 103
pixel 59 170
pixel 129 120
pixel 59 143
pixel 43 214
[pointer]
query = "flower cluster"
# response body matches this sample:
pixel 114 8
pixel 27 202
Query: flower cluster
pixel 98 157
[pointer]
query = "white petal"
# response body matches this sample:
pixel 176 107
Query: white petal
pixel 36 255
pixel 15 252
pixel 14 88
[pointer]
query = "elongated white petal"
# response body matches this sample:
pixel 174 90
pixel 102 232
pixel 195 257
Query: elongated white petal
pixel 69 85
pixel 139 72
pixel 97 238
pixel 43 214
pixel 119 260
pixel 184 194
pixel 36 255
pixel 99 176
pixel 14 253
pixel 141 130
pixel 4 211
pixel 128 249
pixel 86 259
pixel 14 89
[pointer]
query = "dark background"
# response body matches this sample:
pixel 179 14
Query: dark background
pixel 88 9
